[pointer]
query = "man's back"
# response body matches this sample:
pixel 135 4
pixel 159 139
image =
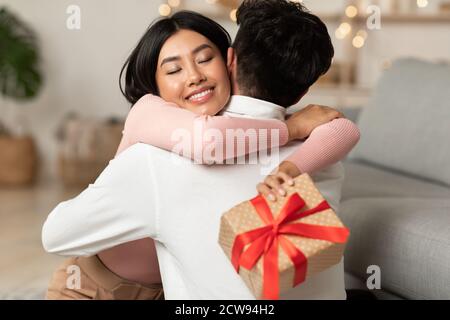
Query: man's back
pixel 190 201
pixel 146 192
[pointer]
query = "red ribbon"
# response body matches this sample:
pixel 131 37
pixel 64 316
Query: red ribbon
pixel 264 241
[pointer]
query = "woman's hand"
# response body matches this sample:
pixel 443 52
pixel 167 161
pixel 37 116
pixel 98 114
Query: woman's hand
pixel 303 122
pixel 272 185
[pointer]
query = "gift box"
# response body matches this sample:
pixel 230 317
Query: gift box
pixel 275 246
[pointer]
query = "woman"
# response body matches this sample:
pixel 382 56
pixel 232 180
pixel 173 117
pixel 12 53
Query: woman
pixel 182 60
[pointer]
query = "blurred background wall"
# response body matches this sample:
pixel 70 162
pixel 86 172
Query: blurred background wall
pixel 81 67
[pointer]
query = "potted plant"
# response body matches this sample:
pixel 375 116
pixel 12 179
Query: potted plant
pixel 20 80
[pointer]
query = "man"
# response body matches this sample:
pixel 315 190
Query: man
pixel 279 52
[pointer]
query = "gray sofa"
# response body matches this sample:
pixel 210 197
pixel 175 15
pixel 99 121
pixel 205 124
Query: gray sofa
pixel 396 197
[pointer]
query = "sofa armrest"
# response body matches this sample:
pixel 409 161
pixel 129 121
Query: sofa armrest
pixel 351 113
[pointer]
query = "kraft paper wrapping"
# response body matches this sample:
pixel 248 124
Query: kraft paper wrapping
pixel 320 254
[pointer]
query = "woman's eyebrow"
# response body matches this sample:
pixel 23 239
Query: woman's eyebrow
pixel 196 50
pixel 201 47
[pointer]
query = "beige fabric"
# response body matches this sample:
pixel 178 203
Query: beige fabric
pixel 405 126
pixel 407 238
pixel 98 283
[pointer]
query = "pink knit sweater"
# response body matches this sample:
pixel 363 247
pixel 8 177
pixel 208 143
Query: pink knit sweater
pixel 152 120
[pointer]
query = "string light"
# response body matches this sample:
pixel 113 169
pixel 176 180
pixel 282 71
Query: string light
pixel 343 30
pixel 233 15
pixel 164 10
pixel 173 3
pixel 351 11
pixel 358 42
pixel 339 34
pixel 345 27
pixel 362 33
pixel 422 3
pixel 387 64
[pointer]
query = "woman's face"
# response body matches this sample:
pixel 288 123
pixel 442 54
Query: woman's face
pixel 192 73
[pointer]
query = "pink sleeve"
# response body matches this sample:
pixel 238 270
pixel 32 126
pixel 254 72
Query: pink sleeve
pixel 327 144
pixel 154 121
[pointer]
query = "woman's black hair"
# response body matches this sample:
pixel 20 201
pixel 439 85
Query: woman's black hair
pixel 141 65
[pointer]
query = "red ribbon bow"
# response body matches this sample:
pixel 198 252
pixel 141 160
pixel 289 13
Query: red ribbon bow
pixel 264 241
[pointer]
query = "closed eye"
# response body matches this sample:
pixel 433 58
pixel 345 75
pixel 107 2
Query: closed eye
pixel 205 60
pixel 174 71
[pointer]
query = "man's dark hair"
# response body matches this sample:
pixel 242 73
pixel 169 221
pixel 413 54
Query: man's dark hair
pixel 281 50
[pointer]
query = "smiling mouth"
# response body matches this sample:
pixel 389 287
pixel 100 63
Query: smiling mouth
pixel 201 96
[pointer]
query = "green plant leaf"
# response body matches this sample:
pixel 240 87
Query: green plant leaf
pixel 20 76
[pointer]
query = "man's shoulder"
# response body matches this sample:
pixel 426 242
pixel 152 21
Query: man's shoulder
pixel 133 152
pixel 138 150
pixel 140 153
pixel 129 165
pixel 135 157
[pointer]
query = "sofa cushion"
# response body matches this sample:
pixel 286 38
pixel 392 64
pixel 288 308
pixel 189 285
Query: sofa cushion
pixel 366 180
pixel 409 239
pixel 406 124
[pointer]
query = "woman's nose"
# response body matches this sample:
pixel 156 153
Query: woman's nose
pixel 195 77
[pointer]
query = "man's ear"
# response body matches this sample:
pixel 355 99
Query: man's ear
pixel 231 60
